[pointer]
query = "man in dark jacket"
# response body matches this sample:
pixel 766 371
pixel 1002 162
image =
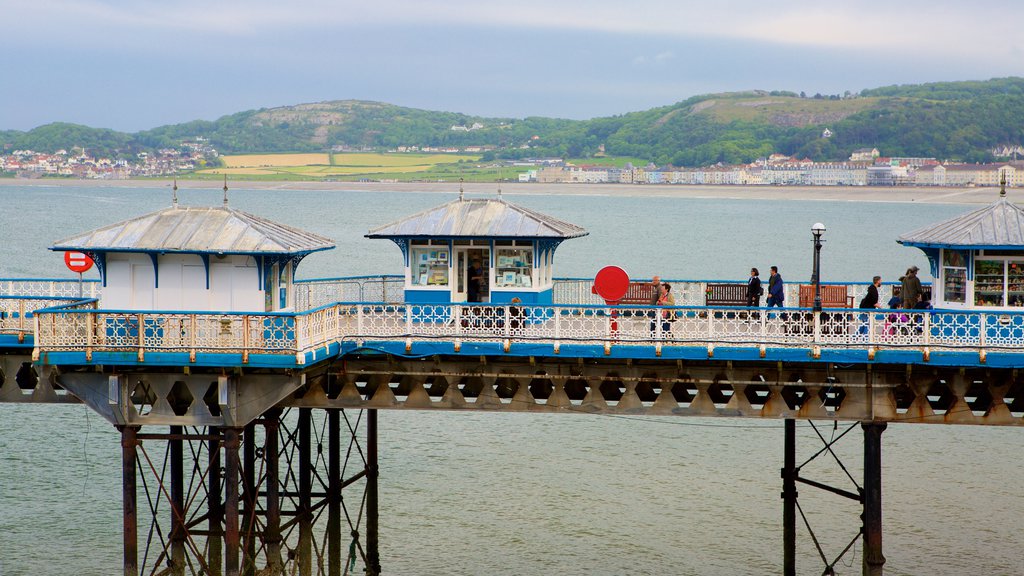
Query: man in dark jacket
pixel 910 291
pixel 776 292
pixel 870 300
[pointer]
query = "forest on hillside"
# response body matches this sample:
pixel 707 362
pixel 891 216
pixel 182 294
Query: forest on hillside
pixel 960 121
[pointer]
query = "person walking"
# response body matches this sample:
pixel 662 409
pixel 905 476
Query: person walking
pixel 754 289
pixel 910 290
pixel 776 289
pixel 656 293
pixel 869 301
pixel 666 317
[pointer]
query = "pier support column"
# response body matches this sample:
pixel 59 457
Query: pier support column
pixel 789 495
pixel 249 497
pixel 272 537
pixel 215 506
pixel 129 499
pixel 177 536
pixel 231 539
pixel 372 541
pixel 334 561
pixel 874 560
pixel 305 546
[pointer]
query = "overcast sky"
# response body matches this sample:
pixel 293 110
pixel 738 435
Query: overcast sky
pixel 137 64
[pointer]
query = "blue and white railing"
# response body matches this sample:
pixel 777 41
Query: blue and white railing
pixel 80 328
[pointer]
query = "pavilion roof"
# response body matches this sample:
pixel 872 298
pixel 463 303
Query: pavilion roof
pixel 999 225
pixel 478 218
pixel 190 229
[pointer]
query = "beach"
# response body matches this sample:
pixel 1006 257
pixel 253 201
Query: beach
pixel 929 195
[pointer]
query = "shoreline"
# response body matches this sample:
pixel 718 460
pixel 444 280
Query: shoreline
pixel 928 195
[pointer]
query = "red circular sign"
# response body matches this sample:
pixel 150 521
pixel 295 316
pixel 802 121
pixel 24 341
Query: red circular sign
pixel 611 283
pixel 77 262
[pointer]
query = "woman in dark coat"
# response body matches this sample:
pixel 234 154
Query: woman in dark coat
pixel 754 289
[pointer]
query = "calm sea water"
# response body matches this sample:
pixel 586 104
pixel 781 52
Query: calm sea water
pixel 470 494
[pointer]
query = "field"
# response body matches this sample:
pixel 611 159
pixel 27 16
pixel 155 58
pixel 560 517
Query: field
pixel 785 110
pixel 356 166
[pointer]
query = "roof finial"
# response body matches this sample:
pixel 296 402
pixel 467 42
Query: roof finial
pixel 460 190
pixel 225 189
pixel 499 189
pixel 174 194
pixel 1002 184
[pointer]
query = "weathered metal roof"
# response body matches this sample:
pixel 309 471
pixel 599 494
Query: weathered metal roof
pixel 998 225
pixel 478 218
pixel 191 229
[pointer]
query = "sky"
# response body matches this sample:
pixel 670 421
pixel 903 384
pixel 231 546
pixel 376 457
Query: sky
pixel 132 65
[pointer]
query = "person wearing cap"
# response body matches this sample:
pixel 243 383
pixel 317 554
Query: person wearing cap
pixel 910 290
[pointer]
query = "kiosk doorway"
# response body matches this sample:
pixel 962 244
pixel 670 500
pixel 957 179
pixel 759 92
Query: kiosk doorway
pixel 472 272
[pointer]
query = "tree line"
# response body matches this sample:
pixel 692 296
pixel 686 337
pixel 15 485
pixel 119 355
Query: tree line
pixel 954 120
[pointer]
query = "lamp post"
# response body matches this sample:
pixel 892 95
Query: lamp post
pixel 817 230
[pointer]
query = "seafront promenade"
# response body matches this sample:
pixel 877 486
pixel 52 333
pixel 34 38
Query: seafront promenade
pixel 932 195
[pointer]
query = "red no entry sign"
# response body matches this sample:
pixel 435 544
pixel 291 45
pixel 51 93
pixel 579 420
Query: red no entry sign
pixel 77 262
pixel 611 283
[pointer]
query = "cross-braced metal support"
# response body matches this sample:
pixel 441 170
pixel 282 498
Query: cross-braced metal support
pixel 269 498
pixel 870 498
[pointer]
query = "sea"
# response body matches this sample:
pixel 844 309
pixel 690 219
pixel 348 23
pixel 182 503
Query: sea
pixel 575 494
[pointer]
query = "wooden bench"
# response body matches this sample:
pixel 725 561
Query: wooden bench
pixel 638 293
pixel 831 296
pixel 725 295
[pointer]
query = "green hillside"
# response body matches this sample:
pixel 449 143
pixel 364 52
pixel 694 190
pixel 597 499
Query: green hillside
pixel 953 120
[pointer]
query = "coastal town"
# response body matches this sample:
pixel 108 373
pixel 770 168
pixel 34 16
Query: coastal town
pixel 865 167
pixel 79 163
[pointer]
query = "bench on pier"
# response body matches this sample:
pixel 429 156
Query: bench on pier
pixel 726 295
pixel 831 296
pixel 638 293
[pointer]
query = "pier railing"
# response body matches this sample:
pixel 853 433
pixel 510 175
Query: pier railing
pixel 16 312
pixel 49 287
pixel 311 294
pixel 80 328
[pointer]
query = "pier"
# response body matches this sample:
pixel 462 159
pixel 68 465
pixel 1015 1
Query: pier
pixel 247 399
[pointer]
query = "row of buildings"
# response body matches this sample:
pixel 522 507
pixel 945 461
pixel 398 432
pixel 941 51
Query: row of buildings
pixel 792 172
pixel 78 163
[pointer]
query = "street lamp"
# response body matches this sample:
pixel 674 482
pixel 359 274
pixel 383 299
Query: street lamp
pixel 817 230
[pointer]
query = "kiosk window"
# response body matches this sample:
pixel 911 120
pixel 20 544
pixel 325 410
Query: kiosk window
pixel 429 266
pixel 513 267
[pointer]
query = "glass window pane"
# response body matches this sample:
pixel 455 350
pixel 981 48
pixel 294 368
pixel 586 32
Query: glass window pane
pixel 988 283
pixel 513 267
pixel 429 266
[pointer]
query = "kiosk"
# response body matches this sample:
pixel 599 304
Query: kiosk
pixel 197 259
pixel 977 259
pixel 478 250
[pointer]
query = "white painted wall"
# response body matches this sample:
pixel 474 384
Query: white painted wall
pixel 234 284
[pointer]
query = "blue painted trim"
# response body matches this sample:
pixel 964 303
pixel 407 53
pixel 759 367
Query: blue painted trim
pixel 206 266
pixel 11 341
pixel 154 258
pixel 164 359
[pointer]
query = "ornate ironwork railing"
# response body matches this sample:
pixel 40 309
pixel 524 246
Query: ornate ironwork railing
pixel 81 328
pixel 50 287
pixel 311 294
pixel 16 312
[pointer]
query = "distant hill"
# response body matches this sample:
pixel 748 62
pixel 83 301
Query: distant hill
pixel 950 120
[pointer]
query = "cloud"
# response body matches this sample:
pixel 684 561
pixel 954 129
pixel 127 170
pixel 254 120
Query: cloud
pixel 940 26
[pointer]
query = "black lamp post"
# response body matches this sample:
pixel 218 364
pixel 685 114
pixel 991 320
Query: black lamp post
pixel 817 230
